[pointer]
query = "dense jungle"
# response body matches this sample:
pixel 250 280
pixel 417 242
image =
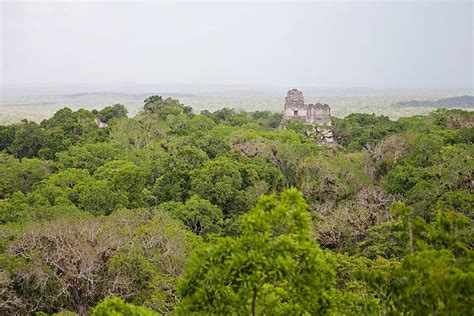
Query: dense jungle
pixel 236 213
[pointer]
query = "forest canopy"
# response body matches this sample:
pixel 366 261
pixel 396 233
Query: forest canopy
pixel 230 212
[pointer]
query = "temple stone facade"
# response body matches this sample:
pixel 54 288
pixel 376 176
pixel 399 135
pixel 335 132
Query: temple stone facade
pixel 318 115
pixel 295 108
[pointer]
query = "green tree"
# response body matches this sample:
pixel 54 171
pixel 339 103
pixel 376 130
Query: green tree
pixel 434 282
pixel 7 135
pixel 274 267
pixel 29 139
pixel 162 107
pixel 297 126
pixel 361 130
pixel 452 230
pixel 21 175
pixel 63 119
pixel 223 115
pixel 14 209
pixel 98 198
pixel 363 286
pixel 267 118
pixel 199 215
pixel 126 178
pixel 76 187
pixel 75 127
pixel 55 141
pixel 174 184
pixel 114 111
pixel 213 143
pixel 201 123
pixel 60 188
pixel 88 156
pixel 137 132
pixel 115 306
pixel 220 182
pixel 453 119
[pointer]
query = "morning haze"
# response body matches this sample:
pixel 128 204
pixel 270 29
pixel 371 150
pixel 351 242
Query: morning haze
pixel 362 44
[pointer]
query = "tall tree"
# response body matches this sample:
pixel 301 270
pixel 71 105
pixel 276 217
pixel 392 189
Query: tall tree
pixel 29 139
pixel 274 267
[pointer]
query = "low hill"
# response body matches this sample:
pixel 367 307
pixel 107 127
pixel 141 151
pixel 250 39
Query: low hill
pixel 464 101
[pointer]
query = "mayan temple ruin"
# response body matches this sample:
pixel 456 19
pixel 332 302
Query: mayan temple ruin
pixel 295 108
pixel 317 114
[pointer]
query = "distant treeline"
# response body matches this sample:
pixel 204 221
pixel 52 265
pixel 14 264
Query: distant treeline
pixel 464 101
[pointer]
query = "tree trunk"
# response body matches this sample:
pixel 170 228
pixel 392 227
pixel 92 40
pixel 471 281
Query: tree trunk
pixel 254 301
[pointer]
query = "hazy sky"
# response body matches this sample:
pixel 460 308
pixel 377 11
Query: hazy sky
pixel 324 44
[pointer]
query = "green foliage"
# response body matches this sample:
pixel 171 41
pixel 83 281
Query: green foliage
pixel 297 126
pixel 7 135
pixel 458 200
pixel 410 233
pixel 360 130
pixel 453 119
pixel 267 118
pixel 21 175
pixel 28 140
pixel 115 306
pixel 220 182
pixel 54 142
pixel 363 286
pixel 113 188
pixel 199 215
pixel 273 267
pixel 451 230
pixel 261 170
pixel 15 209
pixel 418 123
pixel 63 119
pixel 54 135
pixel 388 240
pixel 431 172
pixel 110 112
pixel 200 123
pixel 125 178
pixel 174 184
pixel 99 198
pixel 231 117
pixel 434 282
pixel 60 188
pixel 88 156
pixel 162 107
pixel 75 127
pixel 333 178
